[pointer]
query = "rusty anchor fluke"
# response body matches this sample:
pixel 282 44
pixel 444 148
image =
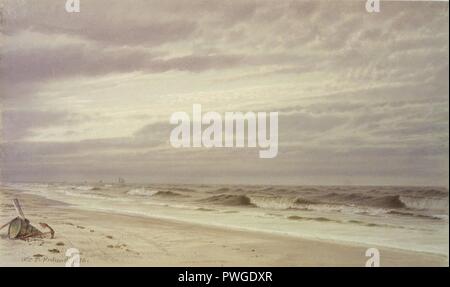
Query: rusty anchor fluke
pixel 21 228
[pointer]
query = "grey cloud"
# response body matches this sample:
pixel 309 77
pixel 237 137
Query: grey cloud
pixel 305 124
pixel 71 60
pixel 151 23
pixel 158 129
pixel 387 125
pixel 31 65
pixel 126 45
pixel 18 124
pixel 103 21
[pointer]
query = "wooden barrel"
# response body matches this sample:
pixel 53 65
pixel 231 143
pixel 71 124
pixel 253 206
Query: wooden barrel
pixel 19 228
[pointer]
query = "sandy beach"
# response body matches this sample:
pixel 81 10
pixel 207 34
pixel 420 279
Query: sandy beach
pixel 112 239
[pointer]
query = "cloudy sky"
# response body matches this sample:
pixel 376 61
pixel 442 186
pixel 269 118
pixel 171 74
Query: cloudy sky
pixel 362 98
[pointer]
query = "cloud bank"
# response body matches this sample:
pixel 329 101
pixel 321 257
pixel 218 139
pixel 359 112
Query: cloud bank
pixel 362 98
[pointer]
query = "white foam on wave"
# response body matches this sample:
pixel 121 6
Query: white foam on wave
pixel 431 203
pixel 142 192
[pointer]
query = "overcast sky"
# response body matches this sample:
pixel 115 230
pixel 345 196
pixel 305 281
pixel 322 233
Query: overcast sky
pixel 362 98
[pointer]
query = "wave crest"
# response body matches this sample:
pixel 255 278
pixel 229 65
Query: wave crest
pixel 229 200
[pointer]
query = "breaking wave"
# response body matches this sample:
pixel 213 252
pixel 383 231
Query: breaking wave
pixel 382 202
pixel 153 193
pixel 229 200
pixel 427 192
pixel 432 203
pixel 168 194
pixel 280 202
pixel 142 192
pixel 387 201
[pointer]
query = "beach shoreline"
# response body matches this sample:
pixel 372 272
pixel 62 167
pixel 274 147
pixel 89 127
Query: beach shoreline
pixel 114 239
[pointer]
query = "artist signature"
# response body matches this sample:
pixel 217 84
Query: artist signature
pixel 46 259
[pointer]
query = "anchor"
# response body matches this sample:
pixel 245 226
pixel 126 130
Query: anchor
pixel 21 228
